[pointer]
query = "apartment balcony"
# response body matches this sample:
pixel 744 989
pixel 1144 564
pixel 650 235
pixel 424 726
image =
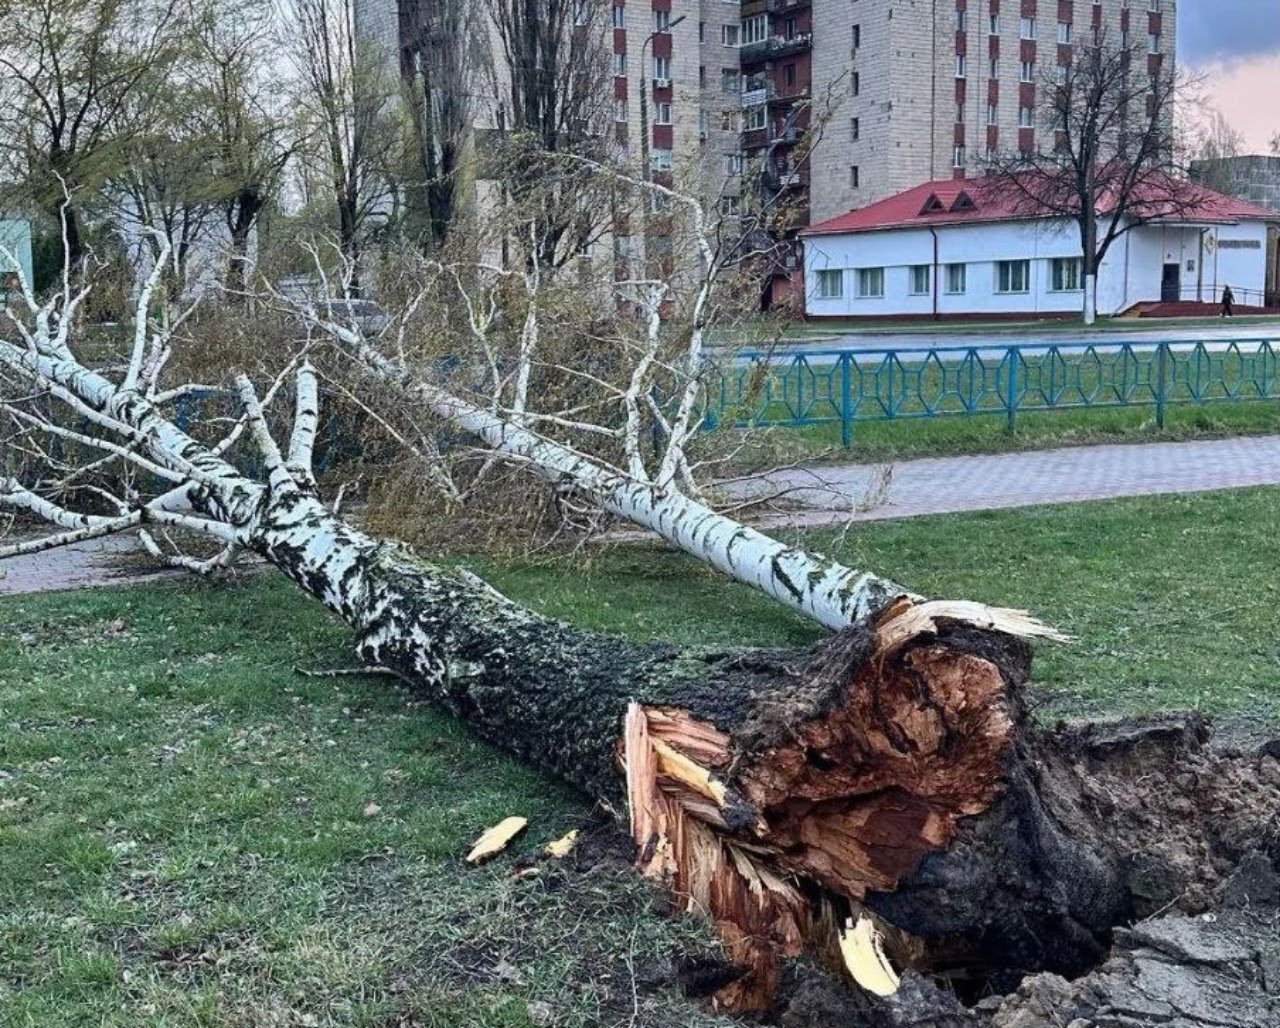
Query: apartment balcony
pixel 785 6
pixel 775 47
pixel 795 179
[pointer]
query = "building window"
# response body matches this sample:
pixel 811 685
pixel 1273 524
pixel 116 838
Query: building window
pixel 955 281
pixel 733 163
pixel 1026 117
pixel 619 64
pixel 619 17
pixel 993 114
pixel 1028 71
pixel 855 83
pixel 730 80
pixel 661 21
pixel 993 67
pixel 662 113
pixel 855 129
pixel 662 68
pixel 731 120
pixel 1155 6
pixel 729 205
pixel 854 177
pixel 702 32
pixel 755 118
pixel 1065 274
pixel 660 160
pixel 957 157
pixel 870 283
pixel 620 109
pixel 730 35
pixel 857 36
pixel 789 74
pixel 962 21
pixel 993 25
pixel 920 279
pixel 959 66
pixel 1153 43
pixel 755 30
pixel 830 285
pixel 702 76
pixel 1027 28
pixel 1064 33
pixel 1013 276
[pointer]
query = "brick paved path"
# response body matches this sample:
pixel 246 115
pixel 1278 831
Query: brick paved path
pixel 989 481
pixel 95 562
pixel 824 495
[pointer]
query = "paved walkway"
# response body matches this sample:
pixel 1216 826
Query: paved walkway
pixel 95 562
pixel 990 481
pixel 825 495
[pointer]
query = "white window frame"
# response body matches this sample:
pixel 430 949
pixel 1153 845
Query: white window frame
pixel 662 68
pixel 661 20
pixel 869 283
pixel 1007 275
pixel 1064 33
pixel 1066 275
pixel 1027 71
pixel 619 16
pixel 661 160
pixel 662 112
pixel 1027 28
pixel 731 35
pixel 829 284
pixel 919 279
pixel 755 29
pixel 1026 117
pixel 960 66
pixel 956 279
pixel 619 64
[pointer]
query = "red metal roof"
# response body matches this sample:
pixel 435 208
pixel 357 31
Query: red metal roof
pixel 973 201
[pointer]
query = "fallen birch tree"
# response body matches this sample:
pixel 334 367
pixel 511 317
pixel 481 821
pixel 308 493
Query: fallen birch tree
pixel 604 449
pixel 890 769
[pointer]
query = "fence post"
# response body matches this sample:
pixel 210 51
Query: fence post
pixel 1162 389
pixel 1011 400
pixel 846 399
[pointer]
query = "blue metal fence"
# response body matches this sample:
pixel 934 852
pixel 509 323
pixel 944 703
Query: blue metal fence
pixel 846 386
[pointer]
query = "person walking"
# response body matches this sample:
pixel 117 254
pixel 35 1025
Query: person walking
pixel 1228 302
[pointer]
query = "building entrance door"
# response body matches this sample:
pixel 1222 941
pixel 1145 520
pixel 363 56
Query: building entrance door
pixel 1171 284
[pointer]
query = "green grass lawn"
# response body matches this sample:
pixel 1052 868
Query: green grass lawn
pixel 193 834
pixel 989 433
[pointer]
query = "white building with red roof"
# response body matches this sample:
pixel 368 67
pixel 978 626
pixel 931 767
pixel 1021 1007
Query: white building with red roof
pixel 966 248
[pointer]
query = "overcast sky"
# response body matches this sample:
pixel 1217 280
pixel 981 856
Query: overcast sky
pixel 1236 45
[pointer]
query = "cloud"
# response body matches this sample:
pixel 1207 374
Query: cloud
pixel 1244 91
pixel 1217 30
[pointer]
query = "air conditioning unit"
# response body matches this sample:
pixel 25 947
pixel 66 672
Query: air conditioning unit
pixel 661 83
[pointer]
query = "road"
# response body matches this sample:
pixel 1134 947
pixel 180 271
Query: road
pixel 1218 336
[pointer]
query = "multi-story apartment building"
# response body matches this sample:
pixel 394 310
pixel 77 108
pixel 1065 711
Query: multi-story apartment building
pixel 935 86
pixel 897 92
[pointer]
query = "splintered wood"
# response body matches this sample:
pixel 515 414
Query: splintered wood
pixel 851 803
pixel 496 839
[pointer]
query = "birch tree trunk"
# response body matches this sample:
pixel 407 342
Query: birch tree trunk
pixel 824 590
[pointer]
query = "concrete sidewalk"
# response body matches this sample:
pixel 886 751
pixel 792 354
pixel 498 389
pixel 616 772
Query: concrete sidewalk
pixel 946 485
